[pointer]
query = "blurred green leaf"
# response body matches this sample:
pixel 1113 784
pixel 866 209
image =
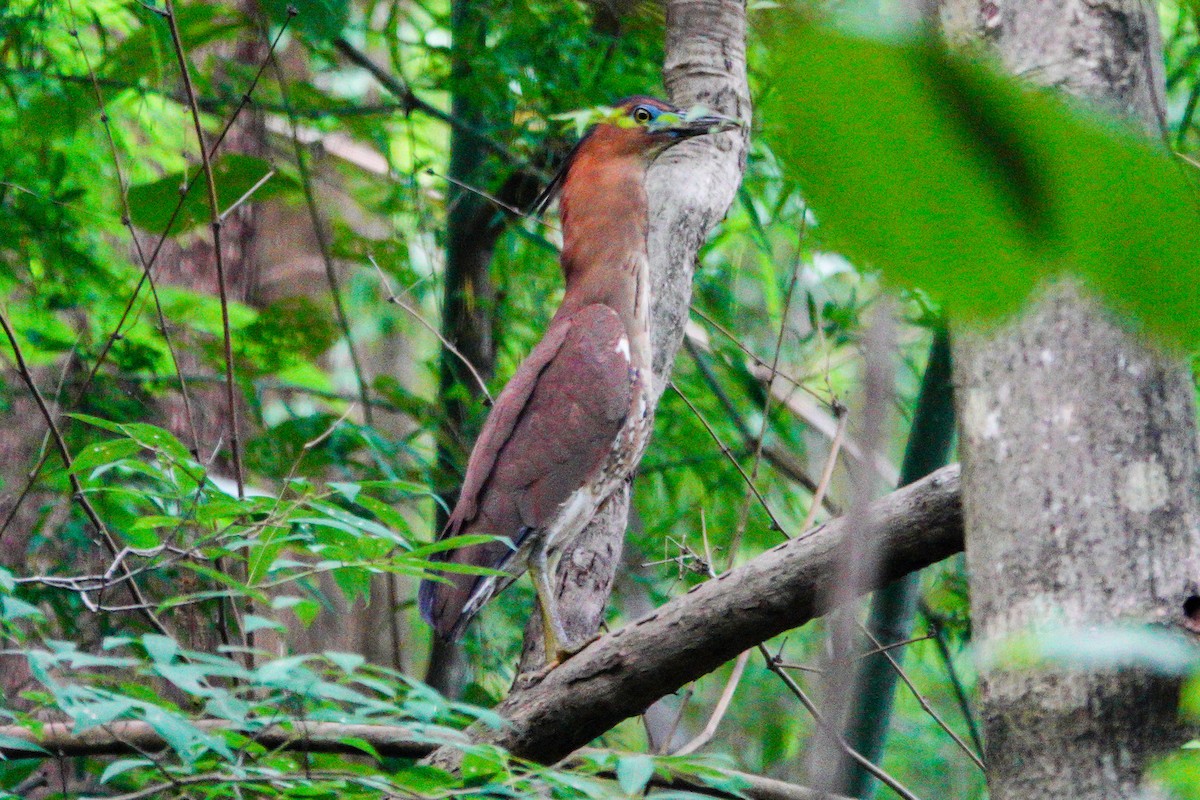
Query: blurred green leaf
pixel 634 772
pixel 319 20
pixel 123 765
pixel 967 184
pixel 1099 647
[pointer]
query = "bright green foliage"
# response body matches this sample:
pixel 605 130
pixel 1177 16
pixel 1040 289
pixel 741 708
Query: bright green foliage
pixel 942 176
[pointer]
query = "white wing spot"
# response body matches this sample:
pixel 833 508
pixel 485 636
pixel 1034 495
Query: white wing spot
pixel 623 347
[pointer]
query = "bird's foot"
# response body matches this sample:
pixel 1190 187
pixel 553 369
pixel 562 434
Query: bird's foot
pixel 562 652
pixel 565 651
pixel 530 679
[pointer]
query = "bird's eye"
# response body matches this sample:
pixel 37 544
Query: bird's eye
pixel 642 115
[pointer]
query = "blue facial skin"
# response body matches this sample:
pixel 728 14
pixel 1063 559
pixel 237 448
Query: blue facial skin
pixel 654 115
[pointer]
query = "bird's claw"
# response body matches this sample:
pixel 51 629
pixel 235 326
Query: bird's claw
pixel 561 653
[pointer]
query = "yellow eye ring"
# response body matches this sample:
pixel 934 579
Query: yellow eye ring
pixel 642 115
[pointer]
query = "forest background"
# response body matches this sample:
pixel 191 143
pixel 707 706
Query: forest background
pixel 371 163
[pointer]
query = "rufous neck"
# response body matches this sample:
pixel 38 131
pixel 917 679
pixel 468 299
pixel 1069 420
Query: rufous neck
pixel 604 217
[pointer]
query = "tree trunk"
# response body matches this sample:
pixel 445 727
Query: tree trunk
pixel 1079 460
pixel 690 188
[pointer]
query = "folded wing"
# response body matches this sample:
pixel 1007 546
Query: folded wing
pixel 549 432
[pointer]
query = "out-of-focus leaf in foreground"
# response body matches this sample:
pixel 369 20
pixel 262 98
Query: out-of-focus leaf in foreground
pixel 961 181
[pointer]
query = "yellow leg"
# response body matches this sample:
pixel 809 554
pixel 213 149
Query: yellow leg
pixel 552 634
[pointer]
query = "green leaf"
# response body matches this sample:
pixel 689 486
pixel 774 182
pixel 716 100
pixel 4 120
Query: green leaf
pixel 480 764
pixel 157 439
pixel 148 52
pixel 91 715
pixel 1096 648
pixel 634 772
pixel 104 453
pixel 188 741
pixel 319 20
pixel 967 184
pixel 103 424
pixel 17 609
pixel 253 622
pixel 346 662
pixel 121 766
pixel 347 490
pixel 161 649
pixel 362 744
pixel 151 205
pixel 15 743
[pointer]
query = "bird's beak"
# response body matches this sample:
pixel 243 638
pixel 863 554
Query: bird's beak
pixel 697 121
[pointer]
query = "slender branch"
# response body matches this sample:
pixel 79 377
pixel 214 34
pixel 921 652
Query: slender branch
pixel 214 210
pixel 880 775
pixel 411 102
pixel 775 524
pixel 714 720
pixel 735 541
pixel 396 299
pixel 960 691
pixel 76 488
pixel 924 703
pixel 390 741
pixel 310 201
pixel 127 222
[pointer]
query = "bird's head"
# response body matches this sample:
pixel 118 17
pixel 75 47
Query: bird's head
pixel 635 131
pixel 646 126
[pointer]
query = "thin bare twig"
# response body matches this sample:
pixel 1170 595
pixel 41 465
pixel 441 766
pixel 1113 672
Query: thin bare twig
pixel 714 720
pixel 310 201
pixel 754 359
pixel 956 683
pixel 744 516
pixel 775 524
pixel 787 464
pixel 928 709
pixel 127 222
pixel 396 299
pixel 76 487
pixel 859 559
pixel 214 210
pixel 411 102
pixel 878 772
pixel 491 198
pixel 827 473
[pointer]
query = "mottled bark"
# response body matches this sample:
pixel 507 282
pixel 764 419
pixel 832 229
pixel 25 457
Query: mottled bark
pixel 1079 460
pixel 690 188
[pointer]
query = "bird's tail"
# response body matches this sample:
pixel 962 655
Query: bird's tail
pixel 450 604
pixel 445 605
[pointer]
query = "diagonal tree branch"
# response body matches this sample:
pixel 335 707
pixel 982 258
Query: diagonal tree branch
pixel 621 674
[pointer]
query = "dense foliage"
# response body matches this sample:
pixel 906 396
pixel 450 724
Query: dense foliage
pixel 152 570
